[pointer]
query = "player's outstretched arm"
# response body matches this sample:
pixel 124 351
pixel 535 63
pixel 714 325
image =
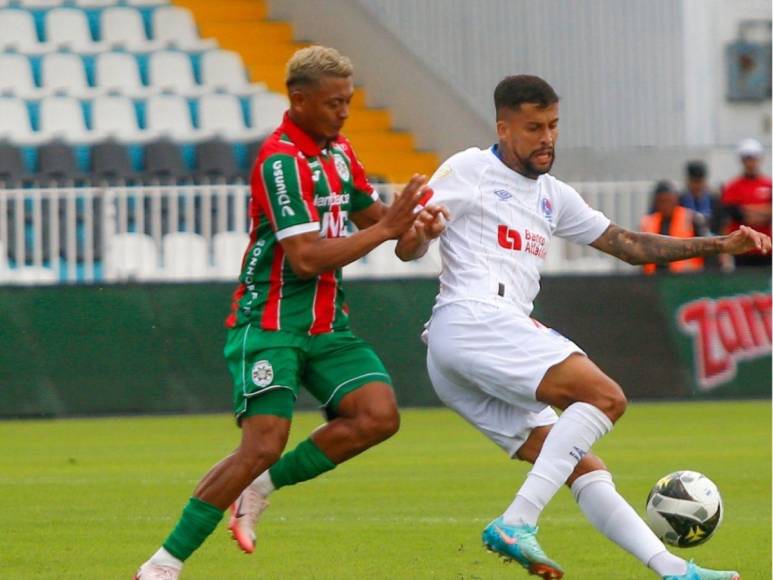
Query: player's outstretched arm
pixel 641 248
pixel 310 256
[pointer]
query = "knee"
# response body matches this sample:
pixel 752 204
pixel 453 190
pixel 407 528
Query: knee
pixel 260 455
pixel 612 401
pixel 378 424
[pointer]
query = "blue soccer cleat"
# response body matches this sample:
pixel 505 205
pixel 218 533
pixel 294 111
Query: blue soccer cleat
pixel 697 573
pixel 519 543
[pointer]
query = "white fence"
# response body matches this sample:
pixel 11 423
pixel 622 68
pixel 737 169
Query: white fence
pixel 201 232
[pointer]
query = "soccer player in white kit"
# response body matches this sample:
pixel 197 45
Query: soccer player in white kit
pixel 505 372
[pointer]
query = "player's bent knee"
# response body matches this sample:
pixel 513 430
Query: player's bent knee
pixel 376 425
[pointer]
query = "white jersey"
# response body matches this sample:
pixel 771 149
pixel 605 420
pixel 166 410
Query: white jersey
pixel 500 228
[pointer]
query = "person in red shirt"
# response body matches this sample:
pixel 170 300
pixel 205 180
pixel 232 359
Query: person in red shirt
pixel 747 200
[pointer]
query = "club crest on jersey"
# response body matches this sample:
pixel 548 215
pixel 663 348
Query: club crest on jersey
pixel 262 373
pixel 503 194
pixel 341 167
pixel 547 208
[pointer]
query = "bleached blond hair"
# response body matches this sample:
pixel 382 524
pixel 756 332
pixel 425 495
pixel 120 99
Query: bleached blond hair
pixel 309 64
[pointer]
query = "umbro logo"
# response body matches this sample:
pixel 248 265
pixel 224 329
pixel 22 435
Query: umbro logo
pixel 502 194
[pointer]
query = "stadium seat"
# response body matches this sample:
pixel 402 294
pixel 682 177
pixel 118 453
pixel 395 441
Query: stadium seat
pixel 185 256
pixel 114 116
pixel 118 72
pixel 266 111
pixel 16 76
pixel 131 257
pixel 95 3
pixel 12 171
pixel 63 73
pixel 223 70
pixel 110 163
pixel 222 114
pixel 170 116
pixel 16 125
pixel 62 118
pixel 215 161
pixel 18 32
pixel 146 2
pixel 68 28
pixel 27 4
pixel 163 162
pixel 56 164
pixel 229 249
pixel 174 26
pixel 122 27
pixel 172 71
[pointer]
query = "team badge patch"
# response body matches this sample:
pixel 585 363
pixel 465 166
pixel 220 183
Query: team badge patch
pixel 341 167
pixel 547 208
pixel 262 373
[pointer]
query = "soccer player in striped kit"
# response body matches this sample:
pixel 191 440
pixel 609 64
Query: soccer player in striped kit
pixel 289 323
pixel 505 372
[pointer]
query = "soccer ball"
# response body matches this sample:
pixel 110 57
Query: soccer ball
pixel 684 509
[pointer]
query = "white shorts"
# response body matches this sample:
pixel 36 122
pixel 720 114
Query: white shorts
pixel 486 362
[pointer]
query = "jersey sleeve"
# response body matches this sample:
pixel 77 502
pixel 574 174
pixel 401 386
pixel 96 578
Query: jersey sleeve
pixel 284 193
pixel 450 188
pixel 576 220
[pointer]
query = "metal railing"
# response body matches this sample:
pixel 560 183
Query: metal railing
pixel 80 234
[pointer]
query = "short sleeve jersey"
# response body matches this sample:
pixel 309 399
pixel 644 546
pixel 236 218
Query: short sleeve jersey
pixel 297 188
pixel 748 191
pixel 500 228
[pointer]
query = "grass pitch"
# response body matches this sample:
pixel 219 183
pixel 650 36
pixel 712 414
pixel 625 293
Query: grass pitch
pixel 93 498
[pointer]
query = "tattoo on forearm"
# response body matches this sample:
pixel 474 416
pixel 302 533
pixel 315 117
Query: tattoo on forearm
pixel 639 248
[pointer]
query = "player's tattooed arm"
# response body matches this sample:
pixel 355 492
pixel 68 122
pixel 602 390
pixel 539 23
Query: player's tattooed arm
pixel 641 248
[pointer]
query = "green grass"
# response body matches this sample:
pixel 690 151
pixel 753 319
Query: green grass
pixel 93 498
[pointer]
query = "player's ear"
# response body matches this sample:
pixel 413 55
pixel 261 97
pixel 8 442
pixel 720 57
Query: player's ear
pixel 297 98
pixel 503 130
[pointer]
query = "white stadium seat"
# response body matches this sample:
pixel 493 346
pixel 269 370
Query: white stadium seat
pixel 122 27
pixel 64 73
pixel 229 248
pixel 16 125
pixel 146 2
pixel 172 71
pixel 18 32
pixel 16 76
pixel 40 3
pixel 131 257
pixel 118 72
pixel 223 70
pixel 266 110
pixel 95 3
pixel 170 116
pixel 62 118
pixel 222 114
pixel 185 256
pixel 69 28
pixel 175 26
pixel 114 116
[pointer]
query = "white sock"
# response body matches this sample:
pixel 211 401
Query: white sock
pixel 164 558
pixel 263 484
pixel 610 514
pixel 575 432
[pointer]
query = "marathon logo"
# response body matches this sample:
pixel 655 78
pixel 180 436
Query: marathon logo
pixel 281 190
pixel 724 332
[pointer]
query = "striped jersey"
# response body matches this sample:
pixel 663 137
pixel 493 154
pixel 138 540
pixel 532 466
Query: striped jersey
pixel 297 187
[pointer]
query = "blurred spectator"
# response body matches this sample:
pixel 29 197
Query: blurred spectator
pixel 671 219
pixel 747 200
pixel 699 198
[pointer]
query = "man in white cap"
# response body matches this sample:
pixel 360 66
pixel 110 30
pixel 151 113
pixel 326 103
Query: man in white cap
pixel 747 200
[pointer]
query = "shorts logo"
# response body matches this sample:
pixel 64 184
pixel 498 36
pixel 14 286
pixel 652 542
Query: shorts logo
pixel 341 167
pixel 262 373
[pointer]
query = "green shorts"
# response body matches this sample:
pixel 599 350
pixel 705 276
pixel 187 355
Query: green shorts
pixel 269 367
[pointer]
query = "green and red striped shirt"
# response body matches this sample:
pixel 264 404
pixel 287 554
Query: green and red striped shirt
pixel 297 187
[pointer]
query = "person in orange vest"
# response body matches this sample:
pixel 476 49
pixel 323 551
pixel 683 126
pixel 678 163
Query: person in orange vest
pixel 670 219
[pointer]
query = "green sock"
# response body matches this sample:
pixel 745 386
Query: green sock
pixel 304 462
pixel 199 519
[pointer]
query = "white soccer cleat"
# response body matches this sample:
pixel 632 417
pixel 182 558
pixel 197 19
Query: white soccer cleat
pixel 245 513
pixel 151 571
